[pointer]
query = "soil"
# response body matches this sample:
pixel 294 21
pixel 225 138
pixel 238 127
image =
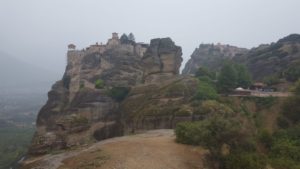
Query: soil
pixel 154 149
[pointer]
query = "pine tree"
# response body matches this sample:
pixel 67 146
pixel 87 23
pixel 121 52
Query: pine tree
pixel 243 76
pixel 131 37
pixel 124 39
pixel 227 79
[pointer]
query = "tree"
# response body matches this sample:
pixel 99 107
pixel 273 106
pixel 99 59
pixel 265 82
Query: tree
pixel 243 76
pixel 227 79
pixel 205 91
pixel 291 107
pixel 131 37
pixel 204 72
pixel 124 39
pixel 292 74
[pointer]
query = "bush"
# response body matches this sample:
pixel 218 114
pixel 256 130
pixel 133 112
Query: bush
pixel 284 163
pixel 210 133
pixel 99 84
pixel 265 137
pixel 213 133
pixel 282 122
pixel 205 92
pixel 204 72
pixel 190 133
pixel 287 148
pixel 244 160
pixel 272 80
pixel 291 109
pixel 212 107
pixel 293 72
pixel 119 93
pixel 82 85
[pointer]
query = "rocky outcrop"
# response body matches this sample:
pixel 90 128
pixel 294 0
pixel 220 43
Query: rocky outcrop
pixel 159 105
pixel 211 56
pixel 78 111
pixel 88 103
pixel 280 59
pixel 161 60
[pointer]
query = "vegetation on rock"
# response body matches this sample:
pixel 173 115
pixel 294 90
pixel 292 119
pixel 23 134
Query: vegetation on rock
pixel 99 84
pixel 119 93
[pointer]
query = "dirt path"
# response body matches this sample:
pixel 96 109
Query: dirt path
pixel 152 150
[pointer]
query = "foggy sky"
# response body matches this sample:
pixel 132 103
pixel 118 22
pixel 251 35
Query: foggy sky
pixel 38 31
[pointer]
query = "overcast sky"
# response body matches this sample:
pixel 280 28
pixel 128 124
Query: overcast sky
pixel 38 31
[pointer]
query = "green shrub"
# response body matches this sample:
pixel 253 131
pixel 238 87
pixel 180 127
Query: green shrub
pixel 79 120
pixel 286 148
pixel 284 163
pixel 210 133
pixel 204 72
pixel 272 80
pixel 119 93
pixel 293 72
pixel 244 160
pixel 265 137
pixel 212 107
pixel 81 85
pixel 282 122
pixel 291 109
pixel 99 84
pixel 190 133
pixel 205 92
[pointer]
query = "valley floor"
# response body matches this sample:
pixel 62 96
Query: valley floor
pixel 154 149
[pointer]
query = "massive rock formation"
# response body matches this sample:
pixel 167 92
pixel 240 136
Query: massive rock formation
pixel 280 59
pixel 211 56
pixel 78 111
pixel 162 59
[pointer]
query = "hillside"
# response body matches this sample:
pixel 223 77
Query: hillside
pixel 279 60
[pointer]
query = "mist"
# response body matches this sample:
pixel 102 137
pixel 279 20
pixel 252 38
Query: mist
pixel 38 31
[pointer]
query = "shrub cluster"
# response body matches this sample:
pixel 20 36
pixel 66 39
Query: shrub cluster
pixel 119 93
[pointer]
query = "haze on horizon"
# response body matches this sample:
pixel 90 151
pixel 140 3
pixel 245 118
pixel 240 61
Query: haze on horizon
pixel 38 31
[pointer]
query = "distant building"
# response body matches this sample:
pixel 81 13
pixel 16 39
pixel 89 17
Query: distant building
pixel 115 35
pixel 258 86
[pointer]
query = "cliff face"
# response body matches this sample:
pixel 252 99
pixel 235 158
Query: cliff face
pixel 80 111
pixel 161 60
pixel 281 59
pixel 211 56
